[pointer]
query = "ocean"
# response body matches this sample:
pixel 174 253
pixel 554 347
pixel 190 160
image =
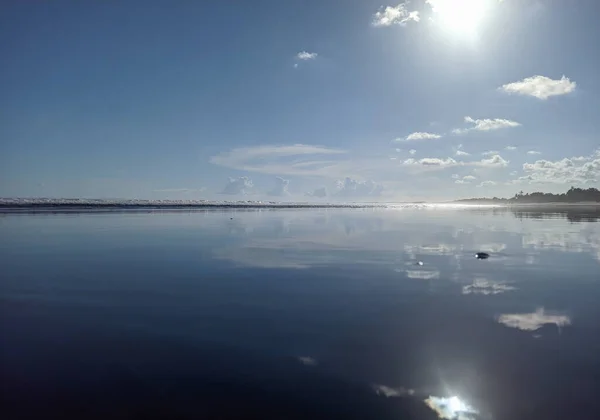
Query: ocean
pixel 300 313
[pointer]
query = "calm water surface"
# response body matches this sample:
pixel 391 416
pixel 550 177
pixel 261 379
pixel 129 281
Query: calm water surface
pixel 294 314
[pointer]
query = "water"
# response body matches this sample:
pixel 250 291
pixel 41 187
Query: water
pixel 301 313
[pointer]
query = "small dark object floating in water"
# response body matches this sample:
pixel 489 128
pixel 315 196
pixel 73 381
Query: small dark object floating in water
pixel 482 255
pixel 231 218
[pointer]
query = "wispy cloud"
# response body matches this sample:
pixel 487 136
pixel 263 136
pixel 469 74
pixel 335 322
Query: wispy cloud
pixel 540 87
pixel 239 185
pixel 305 55
pixel 534 320
pixel 534 152
pixel 387 391
pixel 490 153
pixel 510 148
pixel 412 151
pixel 307 361
pixel 465 179
pixel 394 15
pixel 419 136
pixel 486 124
pixel 487 184
pixel 431 162
pixel 297 159
pixel 462 153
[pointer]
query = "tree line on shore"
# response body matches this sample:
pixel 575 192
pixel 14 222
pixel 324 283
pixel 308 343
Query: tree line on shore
pixel 574 195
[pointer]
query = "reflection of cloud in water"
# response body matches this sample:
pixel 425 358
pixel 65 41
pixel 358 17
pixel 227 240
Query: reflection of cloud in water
pixel 483 286
pixel 261 257
pixel 494 247
pixel 586 239
pixel 387 391
pixel 452 408
pixel 533 321
pixel 307 361
pixel 421 274
pixel 431 249
pixel 296 239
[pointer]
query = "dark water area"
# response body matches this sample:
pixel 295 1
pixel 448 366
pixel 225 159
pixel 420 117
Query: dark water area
pixel 301 314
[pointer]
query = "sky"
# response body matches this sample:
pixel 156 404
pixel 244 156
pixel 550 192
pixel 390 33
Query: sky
pixel 328 100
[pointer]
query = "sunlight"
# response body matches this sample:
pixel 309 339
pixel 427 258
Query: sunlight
pixel 461 17
pixel 452 408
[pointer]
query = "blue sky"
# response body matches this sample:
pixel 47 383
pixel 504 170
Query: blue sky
pixel 298 100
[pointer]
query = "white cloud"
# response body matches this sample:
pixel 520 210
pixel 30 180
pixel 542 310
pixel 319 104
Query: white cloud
pixel 540 87
pixel 490 153
pixel 387 391
pixel 455 176
pixel 307 361
pixel 412 151
pixel 281 187
pixel 487 184
pixel 459 152
pixel 297 159
pixel 319 193
pixel 493 161
pixel 420 136
pixel 533 321
pixel 352 188
pixel 465 179
pixel 431 162
pixel 575 170
pixel 239 185
pixel 398 150
pixel 486 124
pixel 534 152
pixel 398 15
pixel 510 148
pixel 305 55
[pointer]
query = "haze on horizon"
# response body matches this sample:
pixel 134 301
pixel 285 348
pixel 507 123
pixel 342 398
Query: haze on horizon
pixel 323 101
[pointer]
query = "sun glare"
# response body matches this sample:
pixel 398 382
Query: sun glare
pixel 463 17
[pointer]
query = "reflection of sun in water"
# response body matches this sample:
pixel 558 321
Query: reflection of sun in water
pixel 456 405
pixel 459 16
pixel 452 408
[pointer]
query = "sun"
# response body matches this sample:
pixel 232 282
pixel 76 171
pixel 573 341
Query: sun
pixel 461 17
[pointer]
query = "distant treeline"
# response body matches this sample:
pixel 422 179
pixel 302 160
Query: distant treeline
pixel 574 195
